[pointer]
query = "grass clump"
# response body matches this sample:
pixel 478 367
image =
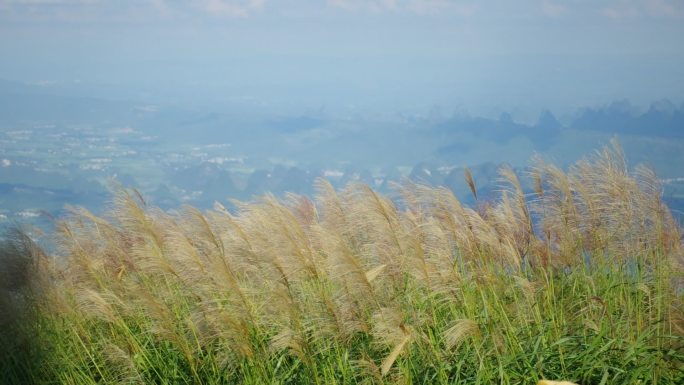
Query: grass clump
pixel 580 281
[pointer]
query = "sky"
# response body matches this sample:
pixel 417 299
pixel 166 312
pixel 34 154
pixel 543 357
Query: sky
pixel 415 55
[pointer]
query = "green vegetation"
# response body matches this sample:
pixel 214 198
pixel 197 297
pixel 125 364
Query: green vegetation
pixel 581 281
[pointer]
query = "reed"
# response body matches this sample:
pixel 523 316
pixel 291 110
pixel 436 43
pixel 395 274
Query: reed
pixel 579 280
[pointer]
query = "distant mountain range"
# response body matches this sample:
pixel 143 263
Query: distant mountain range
pixel 52 136
pixel 663 118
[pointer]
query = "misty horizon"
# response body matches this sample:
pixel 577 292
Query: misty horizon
pixel 202 101
pixel 384 56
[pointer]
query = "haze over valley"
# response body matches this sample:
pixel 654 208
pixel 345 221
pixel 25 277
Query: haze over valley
pixel 59 148
pixel 197 102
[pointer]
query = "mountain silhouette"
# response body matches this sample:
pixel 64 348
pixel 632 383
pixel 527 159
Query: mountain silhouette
pixel 663 119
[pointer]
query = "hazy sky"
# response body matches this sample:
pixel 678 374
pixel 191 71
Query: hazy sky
pixel 490 54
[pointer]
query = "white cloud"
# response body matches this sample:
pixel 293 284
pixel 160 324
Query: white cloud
pixel 369 5
pixel 231 8
pixel 620 13
pixel 461 7
pixel 664 8
pixel 47 2
pixel 436 6
pixel 633 9
pixel 554 10
pixel 42 5
pixel 151 10
pixel 127 10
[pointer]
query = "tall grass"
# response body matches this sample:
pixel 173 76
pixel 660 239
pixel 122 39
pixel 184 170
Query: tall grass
pixel 581 281
pixel 21 282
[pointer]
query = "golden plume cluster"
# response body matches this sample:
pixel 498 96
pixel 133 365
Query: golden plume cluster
pixel 300 278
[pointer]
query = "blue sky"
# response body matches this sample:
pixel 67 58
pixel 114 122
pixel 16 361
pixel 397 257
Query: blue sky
pixel 490 54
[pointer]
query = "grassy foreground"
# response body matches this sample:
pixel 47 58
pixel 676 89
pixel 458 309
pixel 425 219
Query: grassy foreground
pixel 580 281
